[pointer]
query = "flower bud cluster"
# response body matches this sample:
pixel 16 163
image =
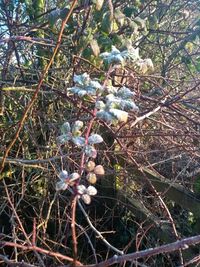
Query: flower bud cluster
pixel 93 171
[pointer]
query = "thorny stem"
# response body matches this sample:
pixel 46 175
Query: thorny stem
pixel 82 168
pixel 73 223
pixel 86 139
pixel 92 121
pixel 88 238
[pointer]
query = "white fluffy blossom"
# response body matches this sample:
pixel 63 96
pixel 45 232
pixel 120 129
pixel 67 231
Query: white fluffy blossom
pixel 86 192
pixel 66 180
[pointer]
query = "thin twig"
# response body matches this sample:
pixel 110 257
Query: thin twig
pixel 34 97
pixel 98 233
pixel 14 263
pixel 19 222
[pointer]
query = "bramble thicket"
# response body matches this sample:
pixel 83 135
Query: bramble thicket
pixel 100 127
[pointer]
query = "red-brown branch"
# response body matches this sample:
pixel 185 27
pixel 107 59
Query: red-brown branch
pixel 40 250
pixel 73 227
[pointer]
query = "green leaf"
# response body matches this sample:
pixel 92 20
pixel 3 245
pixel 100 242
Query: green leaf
pixel 117 39
pixel 140 22
pixel 198 64
pixel 133 25
pixel 105 42
pixel 98 15
pixel 53 17
pixel 153 21
pixel 107 22
pixel 129 11
pixel 98 3
pixel 63 13
pixel 87 52
pixel 120 17
pixel 95 47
